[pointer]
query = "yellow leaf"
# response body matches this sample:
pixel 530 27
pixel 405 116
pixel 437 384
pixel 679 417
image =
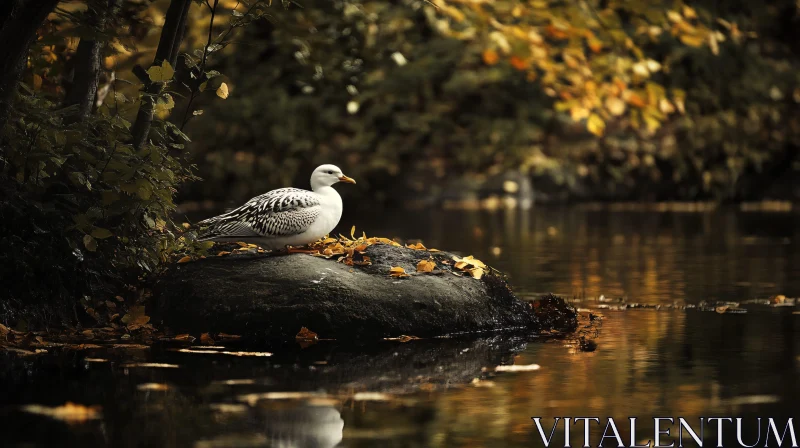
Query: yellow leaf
pixel 426 266
pixel 674 16
pixel 596 125
pixel 398 272
pixel 417 246
pixel 185 259
pixel 223 252
pixel 161 74
pixel 353 232
pixel 476 273
pixel 689 12
pixel 37 82
pixel 615 106
pixel 222 91
pixel 691 40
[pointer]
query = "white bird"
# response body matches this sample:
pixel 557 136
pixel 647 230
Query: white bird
pixel 283 217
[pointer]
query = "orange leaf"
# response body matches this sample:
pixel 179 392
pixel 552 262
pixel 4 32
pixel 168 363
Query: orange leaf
pixel 185 259
pixel 518 63
pixel 426 266
pixel 636 100
pixel 490 57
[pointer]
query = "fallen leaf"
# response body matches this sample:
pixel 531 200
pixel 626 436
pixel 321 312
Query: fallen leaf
pixel 68 412
pixel 402 338
pixel 205 339
pixel 306 334
pixel 518 368
pixel 185 259
pixel 398 272
pixel 228 336
pixel 417 246
pixel 426 266
pixel 150 365
pixel 220 352
pixel 371 396
pixel 223 252
pixel 253 399
pixel 153 386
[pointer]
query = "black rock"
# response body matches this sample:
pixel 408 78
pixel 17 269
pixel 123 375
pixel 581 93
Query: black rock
pixel 272 297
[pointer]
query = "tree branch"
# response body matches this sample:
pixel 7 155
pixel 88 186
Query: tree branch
pixel 168 46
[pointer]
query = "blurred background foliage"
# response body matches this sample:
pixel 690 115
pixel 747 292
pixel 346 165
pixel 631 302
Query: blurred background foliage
pixel 118 108
pixel 587 100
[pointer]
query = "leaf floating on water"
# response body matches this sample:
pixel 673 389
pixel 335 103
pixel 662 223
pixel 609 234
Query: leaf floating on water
pixel 153 386
pixel 95 360
pixel 306 334
pixel 228 408
pixel 68 412
pixel 185 259
pixel 205 339
pixel 398 272
pixel 371 396
pixel 215 352
pixel 223 252
pixel 518 368
pixel 150 365
pixel 227 336
pixel 477 382
pixel 402 338
pixel 237 382
pixel 252 399
pixel 426 266
pixel 721 309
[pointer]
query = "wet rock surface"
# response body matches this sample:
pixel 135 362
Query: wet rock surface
pixel 272 297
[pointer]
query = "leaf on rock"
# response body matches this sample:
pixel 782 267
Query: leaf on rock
pixel 398 272
pixel 426 266
pixel 417 246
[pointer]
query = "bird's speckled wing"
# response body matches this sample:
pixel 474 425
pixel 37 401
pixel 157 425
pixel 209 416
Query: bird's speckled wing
pixel 282 212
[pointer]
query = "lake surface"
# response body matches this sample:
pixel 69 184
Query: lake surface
pixel 668 362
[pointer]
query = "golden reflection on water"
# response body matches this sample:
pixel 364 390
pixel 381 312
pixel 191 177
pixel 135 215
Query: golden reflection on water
pixel 648 364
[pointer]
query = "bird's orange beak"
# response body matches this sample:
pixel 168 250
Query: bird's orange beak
pixel 347 180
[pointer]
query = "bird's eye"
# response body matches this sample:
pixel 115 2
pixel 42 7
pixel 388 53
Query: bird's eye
pixel 330 172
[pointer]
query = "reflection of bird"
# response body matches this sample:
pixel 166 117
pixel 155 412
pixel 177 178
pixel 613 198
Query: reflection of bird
pixel 304 426
pixel 283 217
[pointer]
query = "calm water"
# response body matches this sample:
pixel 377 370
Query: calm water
pixel 648 363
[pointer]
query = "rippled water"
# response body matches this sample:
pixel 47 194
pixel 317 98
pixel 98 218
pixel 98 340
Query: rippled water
pixel 667 363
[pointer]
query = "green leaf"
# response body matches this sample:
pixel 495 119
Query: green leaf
pixel 90 243
pixel 101 233
pixel 161 74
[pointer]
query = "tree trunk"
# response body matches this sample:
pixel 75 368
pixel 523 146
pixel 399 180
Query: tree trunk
pixel 19 20
pixel 88 62
pixel 168 47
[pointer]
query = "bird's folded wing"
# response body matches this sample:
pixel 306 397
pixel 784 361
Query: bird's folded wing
pixel 283 212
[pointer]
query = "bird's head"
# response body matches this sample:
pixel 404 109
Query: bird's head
pixel 327 175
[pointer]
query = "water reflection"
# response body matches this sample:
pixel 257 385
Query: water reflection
pixel 648 363
pixel 647 257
